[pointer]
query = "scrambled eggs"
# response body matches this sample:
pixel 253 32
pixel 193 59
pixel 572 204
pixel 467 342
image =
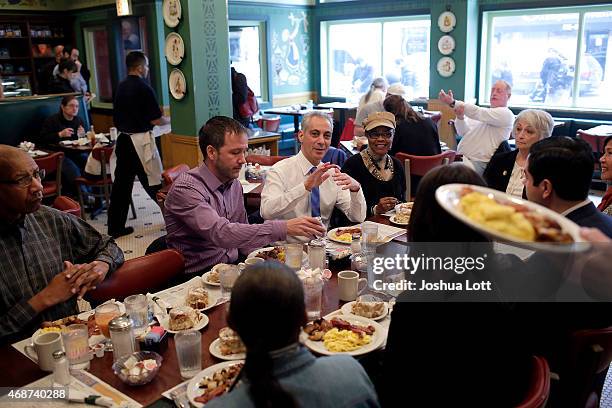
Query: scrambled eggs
pixel 501 218
pixel 345 237
pixel 344 340
pixel 50 329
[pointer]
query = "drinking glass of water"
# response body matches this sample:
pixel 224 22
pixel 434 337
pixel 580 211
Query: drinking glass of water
pixel 313 294
pixel 189 352
pixel 369 237
pixel 227 276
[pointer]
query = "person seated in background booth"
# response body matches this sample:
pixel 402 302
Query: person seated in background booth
pixel 558 176
pixel 483 129
pixel 414 133
pixel 278 370
pixel 606 174
pixel 60 83
pixel 48 257
pixel 381 176
pixel 506 170
pixel 65 125
pixel 204 210
pixel 375 106
pixel 304 186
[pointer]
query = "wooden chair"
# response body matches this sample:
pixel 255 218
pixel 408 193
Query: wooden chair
pixel 139 275
pixel 52 164
pixel 348 131
pixel 269 123
pixel 104 182
pixel 420 165
pixel 539 385
pixel 168 177
pixel 67 205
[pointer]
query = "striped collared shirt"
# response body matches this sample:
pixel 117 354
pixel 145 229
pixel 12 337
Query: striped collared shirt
pixel 32 252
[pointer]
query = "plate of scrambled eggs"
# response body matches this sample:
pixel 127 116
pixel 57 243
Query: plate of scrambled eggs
pixel 344 235
pixel 340 341
pixel 510 219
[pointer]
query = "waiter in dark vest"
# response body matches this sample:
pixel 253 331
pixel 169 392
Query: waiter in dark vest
pixel 136 111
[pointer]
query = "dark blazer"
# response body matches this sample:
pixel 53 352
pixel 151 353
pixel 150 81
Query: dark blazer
pixel 589 216
pixel 498 171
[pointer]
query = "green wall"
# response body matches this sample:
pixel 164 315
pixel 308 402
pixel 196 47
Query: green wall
pixel 290 44
pixel 107 16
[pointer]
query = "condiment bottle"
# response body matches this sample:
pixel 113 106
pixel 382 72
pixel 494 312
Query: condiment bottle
pixel 92 135
pixel 122 336
pixel 359 260
pixel 61 368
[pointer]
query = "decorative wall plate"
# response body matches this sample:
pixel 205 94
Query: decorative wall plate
pixel 175 48
pixel 177 84
pixel 447 21
pixel 446 45
pixel 172 12
pixel 446 66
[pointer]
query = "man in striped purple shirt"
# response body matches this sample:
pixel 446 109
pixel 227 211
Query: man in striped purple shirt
pixel 204 210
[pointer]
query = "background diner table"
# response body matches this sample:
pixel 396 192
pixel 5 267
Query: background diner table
pixel 341 108
pixel 296 113
pixel 169 374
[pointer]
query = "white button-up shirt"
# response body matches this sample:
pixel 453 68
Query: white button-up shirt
pixel 483 129
pixel 285 197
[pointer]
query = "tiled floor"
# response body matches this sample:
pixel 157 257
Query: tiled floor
pixel 148 225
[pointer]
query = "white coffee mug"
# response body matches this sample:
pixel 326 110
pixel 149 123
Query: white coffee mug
pixel 249 262
pixel 44 346
pixel 348 285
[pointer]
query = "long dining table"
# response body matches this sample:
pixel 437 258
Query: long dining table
pixel 168 375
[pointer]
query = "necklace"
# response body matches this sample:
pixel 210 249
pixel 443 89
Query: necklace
pixel 376 170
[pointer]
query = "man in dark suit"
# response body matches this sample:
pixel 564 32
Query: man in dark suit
pixel 558 176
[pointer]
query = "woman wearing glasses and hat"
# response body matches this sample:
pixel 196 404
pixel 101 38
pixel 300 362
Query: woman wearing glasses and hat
pixel 381 176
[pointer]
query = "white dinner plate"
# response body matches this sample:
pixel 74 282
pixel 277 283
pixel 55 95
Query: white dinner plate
pixel 331 234
pixel 193 388
pixel 347 310
pixel 165 323
pixel 377 340
pixel 206 281
pixel 449 196
pixel 257 251
pixel 394 221
pixel 400 205
pixel 215 350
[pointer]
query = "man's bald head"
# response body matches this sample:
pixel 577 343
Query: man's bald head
pixel 18 198
pixel 10 159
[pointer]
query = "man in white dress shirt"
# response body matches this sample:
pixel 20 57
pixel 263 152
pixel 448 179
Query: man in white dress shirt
pixel 483 129
pixel 303 186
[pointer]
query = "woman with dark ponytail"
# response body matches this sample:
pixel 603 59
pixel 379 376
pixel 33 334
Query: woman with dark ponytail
pixel 267 311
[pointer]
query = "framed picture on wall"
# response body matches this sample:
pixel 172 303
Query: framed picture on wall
pixel 132 34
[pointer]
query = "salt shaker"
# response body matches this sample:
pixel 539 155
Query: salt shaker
pixel 61 368
pixel 122 336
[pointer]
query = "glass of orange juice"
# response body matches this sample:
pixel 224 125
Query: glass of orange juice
pixel 103 315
